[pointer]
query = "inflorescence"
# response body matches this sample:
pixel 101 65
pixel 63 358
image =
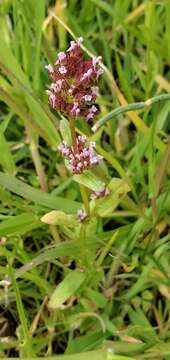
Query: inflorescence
pixel 73 90
pixel 85 156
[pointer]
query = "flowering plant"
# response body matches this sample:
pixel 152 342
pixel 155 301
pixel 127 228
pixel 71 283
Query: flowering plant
pixel 73 93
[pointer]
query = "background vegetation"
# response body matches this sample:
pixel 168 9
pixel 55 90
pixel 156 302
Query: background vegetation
pixel 113 301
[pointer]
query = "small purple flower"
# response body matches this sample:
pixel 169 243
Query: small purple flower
pixel 85 157
pixel 81 215
pixel 75 44
pixel 75 109
pixel 49 68
pixel 87 97
pixel 74 81
pixel 92 111
pixel 51 98
pixel 99 194
pixel 95 90
pixel 61 56
pixel 87 74
pixel 62 70
pixel 57 85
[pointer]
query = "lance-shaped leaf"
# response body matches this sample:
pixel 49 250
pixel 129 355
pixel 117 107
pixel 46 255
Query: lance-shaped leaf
pixel 66 288
pixel 59 218
pixel 89 180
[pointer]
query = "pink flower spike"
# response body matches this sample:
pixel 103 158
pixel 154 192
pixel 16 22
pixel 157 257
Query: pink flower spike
pixel 62 70
pixel 74 81
pixel 85 156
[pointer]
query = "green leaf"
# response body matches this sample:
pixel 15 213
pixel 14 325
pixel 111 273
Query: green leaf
pixel 119 186
pixel 106 206
pixel 66 288
pixel 123 80
pixel 19 224
pixel 59 218
pixel 65 131
pixel 89 180
pixel 12 69
pixel 42 119
pixel 103 5
pixel 6 159
pixel 96 297
pixel 37 196
pixel 39 13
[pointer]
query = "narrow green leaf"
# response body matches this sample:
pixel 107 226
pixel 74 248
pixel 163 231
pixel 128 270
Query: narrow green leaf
pixel 103 5
pixel 26 191
pixel 59 218
pixel 6 159
pixel 123 80
pixel 65 131
pixel 19 224
pixel 66 288
pixel 39 13
pixel 89 180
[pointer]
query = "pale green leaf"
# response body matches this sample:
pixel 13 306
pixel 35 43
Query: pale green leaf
pixel 66 288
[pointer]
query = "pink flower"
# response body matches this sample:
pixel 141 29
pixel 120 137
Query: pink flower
pixel 92 111
pixel 61 56
pixel 49 68
pixel 87 97
pixel 82 215
pixel 99 194
pixel 74 82
pixel 62 70
pixel 84 158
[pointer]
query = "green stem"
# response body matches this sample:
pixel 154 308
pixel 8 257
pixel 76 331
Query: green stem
pixel 73 134
pixel 26 348
pixel 130 107
pixel 84 196
pixel 84 248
